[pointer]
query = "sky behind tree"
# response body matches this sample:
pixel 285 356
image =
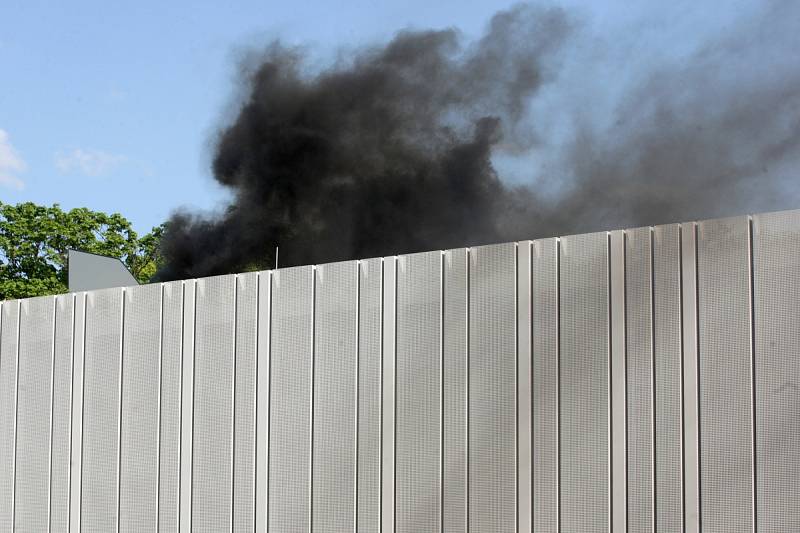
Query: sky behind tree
pixel 115 106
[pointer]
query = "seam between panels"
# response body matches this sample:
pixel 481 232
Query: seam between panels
pixel 653 382
pixel 311 387
pixel 50 436
pixel 681 284
pixel 234 368
pixel 610 384
pixel 123 297
pixel 158 417
pixel 697 376
pixel 516 386
pixel 180 412
pixel 558 384
pixel 16 425
pixel 357 393
pixel 753 383
pixel 441 391
pixel 465 434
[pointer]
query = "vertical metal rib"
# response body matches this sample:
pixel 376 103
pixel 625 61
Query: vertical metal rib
pixel 524 389
pixel 619 496
pixel 691 420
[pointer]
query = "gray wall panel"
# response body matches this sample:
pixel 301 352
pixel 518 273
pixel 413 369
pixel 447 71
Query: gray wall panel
pixel 9 322
pixel 640 423
pixel 492 388
pixel 244 424
pixel 776 247
pixel 290 400
pixel 584 384
pixel 335 375
pixel 62 399
pixel 726 433
pixel 141 348
pixel 668 379
pixel 169 410
pixel 369 396
pixel 212 459
pixel 32 474
pixel 454 390
pixel 418 437
pixel 544 295
pixel 100 479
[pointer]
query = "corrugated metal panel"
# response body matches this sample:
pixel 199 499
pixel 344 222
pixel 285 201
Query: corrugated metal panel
pixel 33 414
pixel 100 483
pixel 170 408
pixel 618 353
pixel 418 432
pixel 639 332
pixel 388 379
pixel 244 441
pixel 776 252
pixel 492 388
pixel 454 390
pixel 584 384
pixel 335 374
pixel 141 348
pixel 524 387
pixel 290 400
pixel 187 404
pixel 212 465
pixel 544 333
pixel 62 400
pixel 668 379
pixel 726 434
pixel 9 321
pixel 369 396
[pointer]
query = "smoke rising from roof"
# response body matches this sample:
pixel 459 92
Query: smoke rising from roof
pixel 393 150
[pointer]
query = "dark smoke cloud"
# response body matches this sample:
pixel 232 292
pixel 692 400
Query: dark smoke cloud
pixel 392 151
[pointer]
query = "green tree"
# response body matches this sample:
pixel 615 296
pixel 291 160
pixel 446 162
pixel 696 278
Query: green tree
pixel 34 240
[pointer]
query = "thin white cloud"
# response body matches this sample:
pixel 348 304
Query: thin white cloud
pixel 88 162
pixel 11 164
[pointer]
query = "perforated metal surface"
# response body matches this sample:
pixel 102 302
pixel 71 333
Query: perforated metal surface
pixel 418 432
pixel 584 384
pixel 369 396
pixel 33 414
pixel 419 368
pixel 776 247
pixel 141 348
pixel 335 357
pixel 8 408
pixel 726 434
pixel 244 441
pixel 290 401
pixel 544 331
pixel 668 379
pixel 101 395
pixel 212 458
pixel 639 411
pixel 62 397
pixel 32 474
pixel 169 433
pixel 454 390
pixel 492 388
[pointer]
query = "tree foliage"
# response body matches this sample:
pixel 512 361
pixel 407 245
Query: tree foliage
pixel 34 240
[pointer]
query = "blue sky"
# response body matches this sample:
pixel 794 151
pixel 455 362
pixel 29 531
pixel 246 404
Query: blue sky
pixel 103 103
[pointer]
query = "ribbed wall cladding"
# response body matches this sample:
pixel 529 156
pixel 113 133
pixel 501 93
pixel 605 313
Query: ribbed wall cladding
pixel 492 389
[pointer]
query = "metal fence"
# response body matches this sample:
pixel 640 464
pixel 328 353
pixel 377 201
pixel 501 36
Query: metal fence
pixel 646 379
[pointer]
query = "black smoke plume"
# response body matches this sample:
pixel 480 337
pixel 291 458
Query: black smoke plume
pixel 391 150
